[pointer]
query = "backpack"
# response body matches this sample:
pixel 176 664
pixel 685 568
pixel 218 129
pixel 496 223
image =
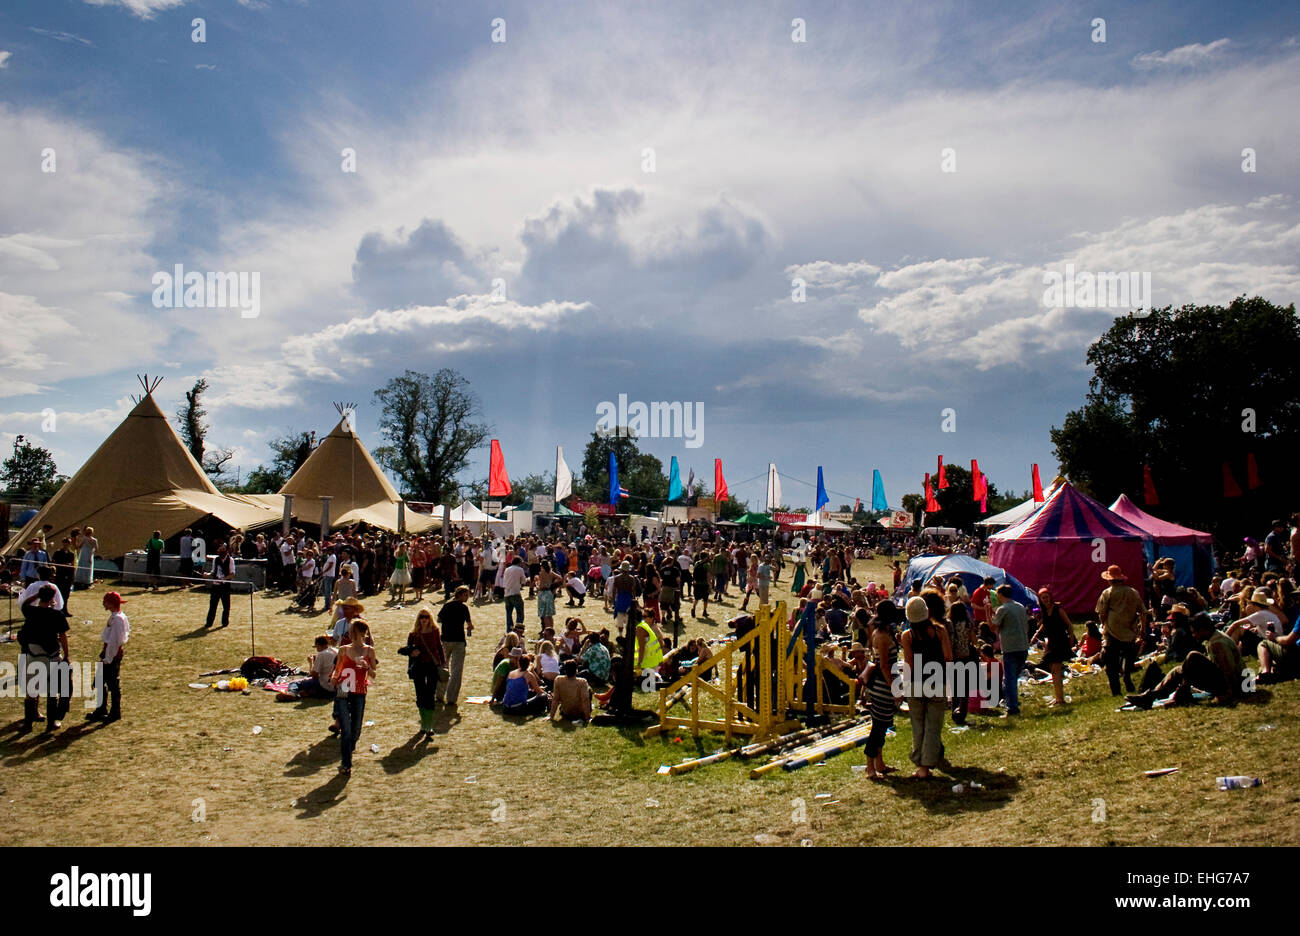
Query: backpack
pixel 260 667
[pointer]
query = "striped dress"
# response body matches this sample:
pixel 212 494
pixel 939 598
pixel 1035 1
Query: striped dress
pixel 879 691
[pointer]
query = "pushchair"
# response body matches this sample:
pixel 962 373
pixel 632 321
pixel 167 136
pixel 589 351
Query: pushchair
pixel 306 599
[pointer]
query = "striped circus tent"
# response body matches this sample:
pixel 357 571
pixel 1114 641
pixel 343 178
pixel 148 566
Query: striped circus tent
pixel 1067 544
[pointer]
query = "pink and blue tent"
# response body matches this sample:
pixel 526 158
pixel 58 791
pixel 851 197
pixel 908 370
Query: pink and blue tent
pixel 1191 550
pixel 1066 544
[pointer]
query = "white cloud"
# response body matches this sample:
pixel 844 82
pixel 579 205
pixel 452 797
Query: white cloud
pixel 60 36
pixel 145 9
pixel 4 58
pixel 971 311
pixel 1188 56
pixel 829 275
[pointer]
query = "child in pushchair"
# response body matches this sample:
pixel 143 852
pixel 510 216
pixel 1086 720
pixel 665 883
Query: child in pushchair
pixel 306 599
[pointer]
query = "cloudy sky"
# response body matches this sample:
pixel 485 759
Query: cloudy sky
pixel 525 161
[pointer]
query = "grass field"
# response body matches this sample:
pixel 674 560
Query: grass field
pixel 184 767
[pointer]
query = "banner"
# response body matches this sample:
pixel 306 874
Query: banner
pixel 788 518
pixel 543 503
pixel 581 506
pixel 708 505
pixel 498 480
pixel 896 520
pixel 844 516
pixel 698 513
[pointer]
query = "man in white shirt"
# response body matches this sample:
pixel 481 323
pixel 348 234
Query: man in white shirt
pixel 329 570
pixel 576 589
pixel 290 562
pixel 1261 624
pixel 222 574
pixel 46 578
pixel 512 582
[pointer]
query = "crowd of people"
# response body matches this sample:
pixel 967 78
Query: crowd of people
pixel 865 630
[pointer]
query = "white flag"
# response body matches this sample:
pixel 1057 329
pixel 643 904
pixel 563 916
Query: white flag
pixel 563 476
pixel 773 488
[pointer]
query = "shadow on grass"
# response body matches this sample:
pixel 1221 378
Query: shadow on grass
pixel 26 747
pixel 408 754
pixel 320 755
pixel 326 796
pixel 935 795
pixel 199 631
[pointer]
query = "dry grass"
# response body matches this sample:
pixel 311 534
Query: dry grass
pixel 137 781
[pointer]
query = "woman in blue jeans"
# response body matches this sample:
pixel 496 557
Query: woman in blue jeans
pixel 356 661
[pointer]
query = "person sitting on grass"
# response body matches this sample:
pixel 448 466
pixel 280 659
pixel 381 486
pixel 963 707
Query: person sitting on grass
pixel 1091 645
pixel 595 658
pixel 574 632
pixel 320 684
pixel 1277 657
pixel 547 666
pixel 572 695
pixel 1216 671
pixel 524 694
pixel 509 642
pixel 502 669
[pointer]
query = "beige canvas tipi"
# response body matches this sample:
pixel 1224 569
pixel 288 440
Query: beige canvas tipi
pixel 141 479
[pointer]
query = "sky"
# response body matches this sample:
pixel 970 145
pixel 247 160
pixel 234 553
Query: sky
pixel 917 167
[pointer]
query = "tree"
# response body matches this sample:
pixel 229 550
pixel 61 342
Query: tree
pixel 193 430
pixel 1184 391
pixel 914 504
pixel 30 472
pixel 288 453
pixel 731 508
pixel 194 433
pixel 521 489
pixel 431 427
pixel 957 509
pixel 640 473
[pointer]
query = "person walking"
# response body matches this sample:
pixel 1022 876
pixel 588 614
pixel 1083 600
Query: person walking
pixel 925 645
pixel 1058 633
pixel 352 669
pixel 1123 618
pixel 115 635
pixel 1011 624
pixel 426 659
pixel 153 559
pixel 222 574
pixel 456 629
pixel 86 559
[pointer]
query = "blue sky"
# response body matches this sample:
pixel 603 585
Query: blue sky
pixel 523 161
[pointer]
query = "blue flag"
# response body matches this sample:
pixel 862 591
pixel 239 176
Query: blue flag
pixel 613 480
pixel 674 481
pixel 822 497
pixel 878 499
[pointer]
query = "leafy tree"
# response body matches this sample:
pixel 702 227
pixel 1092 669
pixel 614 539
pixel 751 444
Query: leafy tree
pixel 521 489
pixel 641 473
pixel 288 453
pixel 731 508
pixel 30 472
pixel 193 430
pixel 1183 391
pixel 431 427
pixel 957 509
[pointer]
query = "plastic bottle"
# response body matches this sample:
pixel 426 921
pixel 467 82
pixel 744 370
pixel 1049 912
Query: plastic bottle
pixel 1237 783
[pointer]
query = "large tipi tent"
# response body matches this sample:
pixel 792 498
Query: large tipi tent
pixel 1191 550
pixel 1067 544
pixel 340 468
pixel 141 479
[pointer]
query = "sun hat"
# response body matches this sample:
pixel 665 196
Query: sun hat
pixel 351 602
pixel 916 610
pixel 1260 597
pixel 1114 574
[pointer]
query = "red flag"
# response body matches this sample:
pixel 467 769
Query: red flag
pixel 943 475
pixel 1230 488
pixel 1148 488
pixel 977 488
pixel 931 505
pixel 498 480
pixel 857 504
pixel 719 482
pixel 1038 487
pixel 1252 472
pixel 984 502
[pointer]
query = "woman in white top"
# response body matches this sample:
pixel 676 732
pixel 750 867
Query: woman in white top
pixel 86 559
pixel 548 662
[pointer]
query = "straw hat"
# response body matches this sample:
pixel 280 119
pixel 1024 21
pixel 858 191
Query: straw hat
pixel 1260 597
pixel 1114 574
pixel 351 602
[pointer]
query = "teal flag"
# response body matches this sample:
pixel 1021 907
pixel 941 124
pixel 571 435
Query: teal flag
pixel 878 499
pixel 674 481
